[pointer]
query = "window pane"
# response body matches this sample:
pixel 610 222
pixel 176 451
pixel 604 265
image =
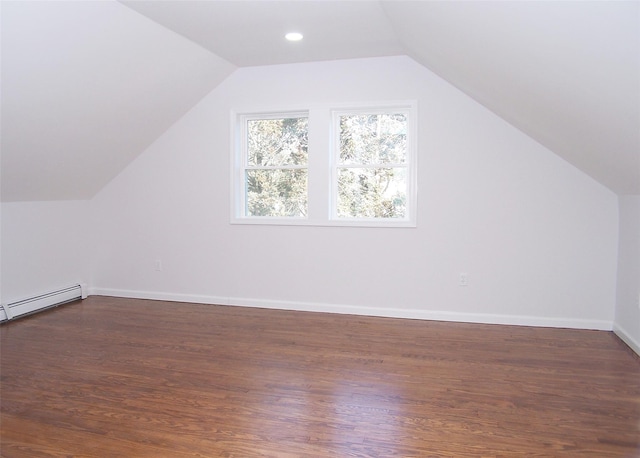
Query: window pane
pixel 371 139
pixel 372 192
pixel 276 192
pixel 276 142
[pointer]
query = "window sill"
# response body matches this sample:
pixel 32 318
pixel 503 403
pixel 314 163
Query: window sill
pixel 264 221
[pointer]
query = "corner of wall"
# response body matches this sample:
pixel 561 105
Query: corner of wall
pixel 627 307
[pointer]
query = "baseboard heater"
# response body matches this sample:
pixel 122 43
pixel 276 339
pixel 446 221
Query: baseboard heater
pixel 41 302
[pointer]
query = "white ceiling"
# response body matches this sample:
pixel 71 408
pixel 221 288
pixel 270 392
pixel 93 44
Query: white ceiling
pixel 88 85
pixel 250 33
pixel 566 73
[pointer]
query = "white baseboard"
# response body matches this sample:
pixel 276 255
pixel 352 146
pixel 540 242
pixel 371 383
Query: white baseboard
pixel 159 296
pixel 626 338
pixel 419 314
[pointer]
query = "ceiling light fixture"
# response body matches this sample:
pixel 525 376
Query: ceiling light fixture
pixel 293 36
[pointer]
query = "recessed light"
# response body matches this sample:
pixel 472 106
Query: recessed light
pixel 293 36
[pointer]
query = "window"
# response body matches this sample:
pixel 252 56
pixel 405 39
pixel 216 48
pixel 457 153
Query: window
pixel 361 170
pixel 371 161
pixel 274 165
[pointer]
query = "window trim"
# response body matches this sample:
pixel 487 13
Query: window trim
pixel 320 170
pixel 408 108
pixel 240 166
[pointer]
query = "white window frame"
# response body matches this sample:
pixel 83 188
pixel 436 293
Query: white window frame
pixel 322 164
pixel 408 109
pixel 240 167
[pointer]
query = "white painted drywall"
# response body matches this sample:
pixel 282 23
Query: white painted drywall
pixel 627 317
pixel 44 247
pixel 537 237
pixel 86 87
pixel 566 73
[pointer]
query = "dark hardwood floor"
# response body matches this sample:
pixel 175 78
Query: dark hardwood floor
pixel 110 377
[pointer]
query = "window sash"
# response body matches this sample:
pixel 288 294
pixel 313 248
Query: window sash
pixel 408 165
pixel 242 199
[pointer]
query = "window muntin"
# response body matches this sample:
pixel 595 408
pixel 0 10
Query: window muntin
pixel 275 160
pixel 372 177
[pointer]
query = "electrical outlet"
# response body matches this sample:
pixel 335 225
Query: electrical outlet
pixel 158 265
pixel 463 279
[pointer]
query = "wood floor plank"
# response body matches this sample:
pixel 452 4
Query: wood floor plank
pixel 117 377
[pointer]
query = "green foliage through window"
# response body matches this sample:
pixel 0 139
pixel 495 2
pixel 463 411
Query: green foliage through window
pixel 277 192
pixel 372 193
pixel 276 174
pixel 371 172
pixel 276 142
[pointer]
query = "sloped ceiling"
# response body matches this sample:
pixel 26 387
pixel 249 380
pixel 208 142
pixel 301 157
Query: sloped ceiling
pixel 86 86
pixel 566 73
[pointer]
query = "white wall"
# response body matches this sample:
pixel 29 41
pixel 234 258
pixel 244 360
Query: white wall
pixel 44 247
pixel 627 317
pixel 537 237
